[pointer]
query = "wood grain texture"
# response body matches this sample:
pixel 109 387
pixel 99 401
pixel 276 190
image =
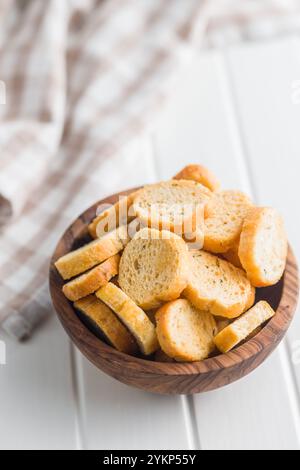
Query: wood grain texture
pixel 173 378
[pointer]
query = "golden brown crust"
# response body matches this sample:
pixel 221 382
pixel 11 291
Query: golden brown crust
pixel 91 281
pixel 243 327
pixel 132 316
pixel 224 216
pixel 184 332
pixel 263 246
pixel 105 320
pixel 200 174
pixel 232 255
pixel 85 258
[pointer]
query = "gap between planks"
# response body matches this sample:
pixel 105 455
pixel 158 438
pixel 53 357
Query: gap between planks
pixel 78 393
pixel 243 160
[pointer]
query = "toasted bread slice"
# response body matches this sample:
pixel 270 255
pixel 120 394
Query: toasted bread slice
pixel 232 255
pixel 224 217
pixel 176 206
pixel 81 260
pixel 105 322
pixel 241 328
pixel 263 246
pixel 153 268
pixel 201 175
pixel 217 286
pixel 184 332
pixel 115 216
pixel 132 316
pixel 91 281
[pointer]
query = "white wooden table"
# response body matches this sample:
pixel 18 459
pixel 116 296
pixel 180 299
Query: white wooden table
pixel 238 112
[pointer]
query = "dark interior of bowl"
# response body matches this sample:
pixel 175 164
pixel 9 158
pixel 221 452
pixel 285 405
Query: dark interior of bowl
pixel 271 294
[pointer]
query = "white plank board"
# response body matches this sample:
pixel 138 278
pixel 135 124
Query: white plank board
pixel 217 117
pixel 116 416
pixel 249 414
pixel 113 415
pixel 271 141
pixel 193 127
pixel 198 126
pixel 37 405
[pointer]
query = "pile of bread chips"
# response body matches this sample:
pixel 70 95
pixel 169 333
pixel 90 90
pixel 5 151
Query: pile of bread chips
pixel 173 268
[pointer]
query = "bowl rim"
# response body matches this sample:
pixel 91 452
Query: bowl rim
pixel 275 329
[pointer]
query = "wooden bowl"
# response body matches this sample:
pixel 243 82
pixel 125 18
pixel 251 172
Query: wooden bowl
pixel 173 378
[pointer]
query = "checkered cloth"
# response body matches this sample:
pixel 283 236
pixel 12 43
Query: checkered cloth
pixel 79 83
